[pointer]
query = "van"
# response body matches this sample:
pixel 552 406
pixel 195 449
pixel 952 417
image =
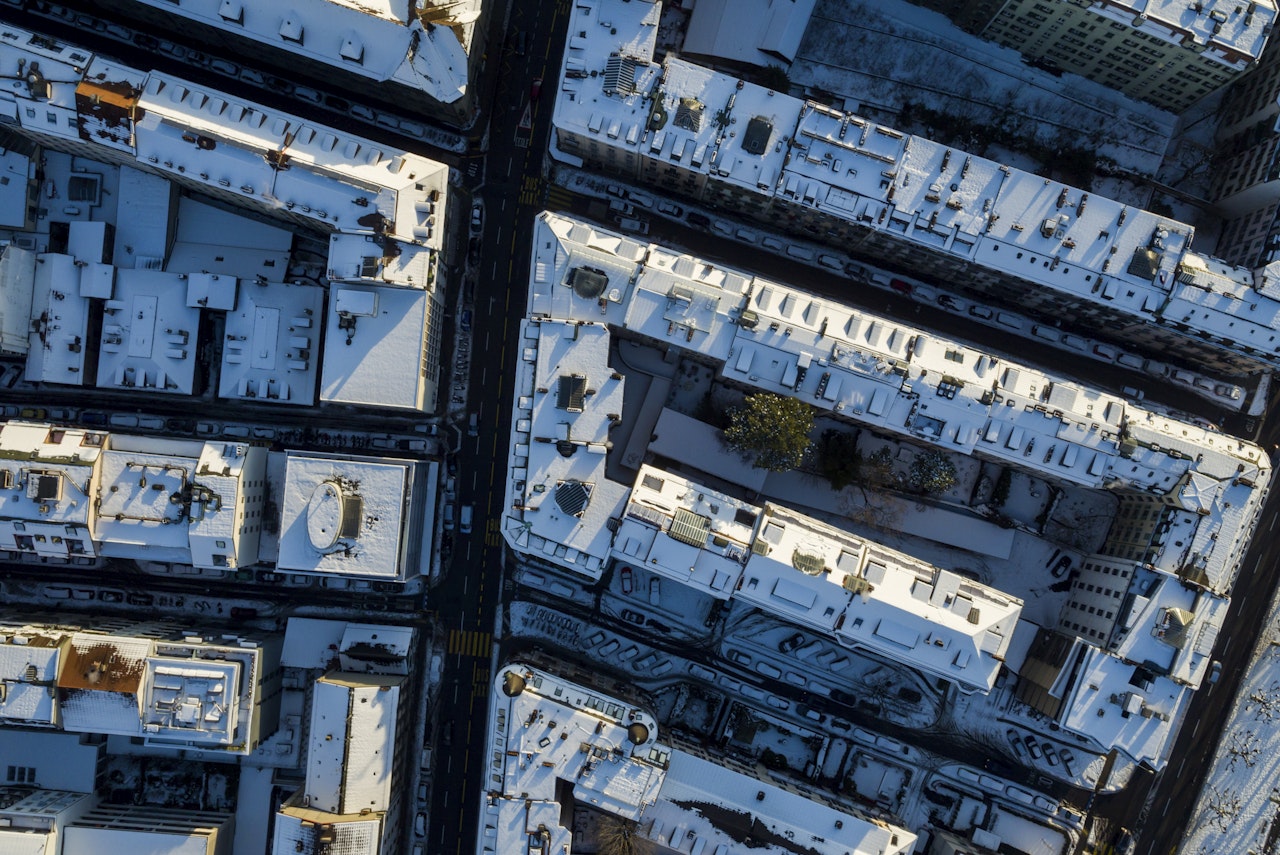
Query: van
pixel 655 592
pixel 625 209
pixel 464 524
pixel 473 427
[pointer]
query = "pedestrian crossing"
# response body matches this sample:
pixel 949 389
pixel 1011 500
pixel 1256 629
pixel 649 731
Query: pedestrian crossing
pixel 558 198
pixel 468 642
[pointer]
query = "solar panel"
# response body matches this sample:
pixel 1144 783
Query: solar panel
pixel 688 527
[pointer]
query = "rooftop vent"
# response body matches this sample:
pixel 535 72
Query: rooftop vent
pixel 572 497
pixel 620 75
pixel 689 114
pixel 572 393
pixel 587 282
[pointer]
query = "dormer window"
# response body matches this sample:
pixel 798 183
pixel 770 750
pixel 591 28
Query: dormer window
pixel 232 11
pixel 291 29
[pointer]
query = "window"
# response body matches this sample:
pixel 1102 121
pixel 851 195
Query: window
pixel 21 775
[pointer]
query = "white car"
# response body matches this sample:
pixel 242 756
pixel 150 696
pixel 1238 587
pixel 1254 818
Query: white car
pixel 477 217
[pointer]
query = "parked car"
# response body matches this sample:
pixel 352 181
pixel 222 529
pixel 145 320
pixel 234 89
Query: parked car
pixel 1051 755
pixel 477 217
pixel 791 643
pixel 626 580
pixel 632 617
pixel 655 591
pixel 1033 747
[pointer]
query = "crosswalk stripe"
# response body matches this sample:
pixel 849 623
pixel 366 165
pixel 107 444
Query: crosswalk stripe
pixel 469 642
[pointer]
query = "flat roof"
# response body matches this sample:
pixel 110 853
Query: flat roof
pixel 271 353
pixel 346 515
pixel 377 39
pixel 545 731
pixel 760 32
pixel 150 336
pixel 375 347
pixel 334 177
pixel 916 190
pixel 353 734
pixel 133 514
pixel 59 323
pixel 708 803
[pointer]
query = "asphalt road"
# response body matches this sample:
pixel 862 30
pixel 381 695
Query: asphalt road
pixel 468 597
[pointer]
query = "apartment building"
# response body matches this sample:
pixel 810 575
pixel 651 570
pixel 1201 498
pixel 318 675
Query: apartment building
pixel 1170 54
pixel 971 224
pixel 1188 496
pixel 153 681
pixel 418 57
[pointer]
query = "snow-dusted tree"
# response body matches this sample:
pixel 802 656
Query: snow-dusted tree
pixel 618 836
pixel 773 428
pixel 1224 806
pixel 1265 703
pixel 932 472
pixel 1243 746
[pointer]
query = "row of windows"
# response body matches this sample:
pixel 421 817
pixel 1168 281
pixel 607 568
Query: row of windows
pixel 1093 610
pixel 1084 630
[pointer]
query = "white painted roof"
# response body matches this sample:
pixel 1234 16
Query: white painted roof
pixel 353 733
pixel 150 336
pixel 213 240
pixel 272 347
pixel 378 360
pixel 696 791
pixel 346 515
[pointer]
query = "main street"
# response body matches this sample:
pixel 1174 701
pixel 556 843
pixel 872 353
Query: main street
pixel 468 597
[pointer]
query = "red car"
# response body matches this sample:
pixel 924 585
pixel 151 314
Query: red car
pixel 626 580
pixel 535 89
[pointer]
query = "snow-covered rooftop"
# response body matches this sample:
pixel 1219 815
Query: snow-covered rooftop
pixel 189 693
pixel 149 334
pixel 423 45
pixel 376 347
pixel 45 477
pixel 301 829
pixel 759 32
pixel 272 343
pixel 17 288
pixel 28 666
pixel 565 397
pixel 366 258
pixel 737 144
pixel 330 176
pixel 1218 28
pixel 59 322
pixel 353 734
pixel 545 732
pixel 352 516
pixel 704 806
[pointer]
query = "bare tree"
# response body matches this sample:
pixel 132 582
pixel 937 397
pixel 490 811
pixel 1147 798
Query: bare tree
pixel 618 836
pixel 1265 703
pixel 1244 746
